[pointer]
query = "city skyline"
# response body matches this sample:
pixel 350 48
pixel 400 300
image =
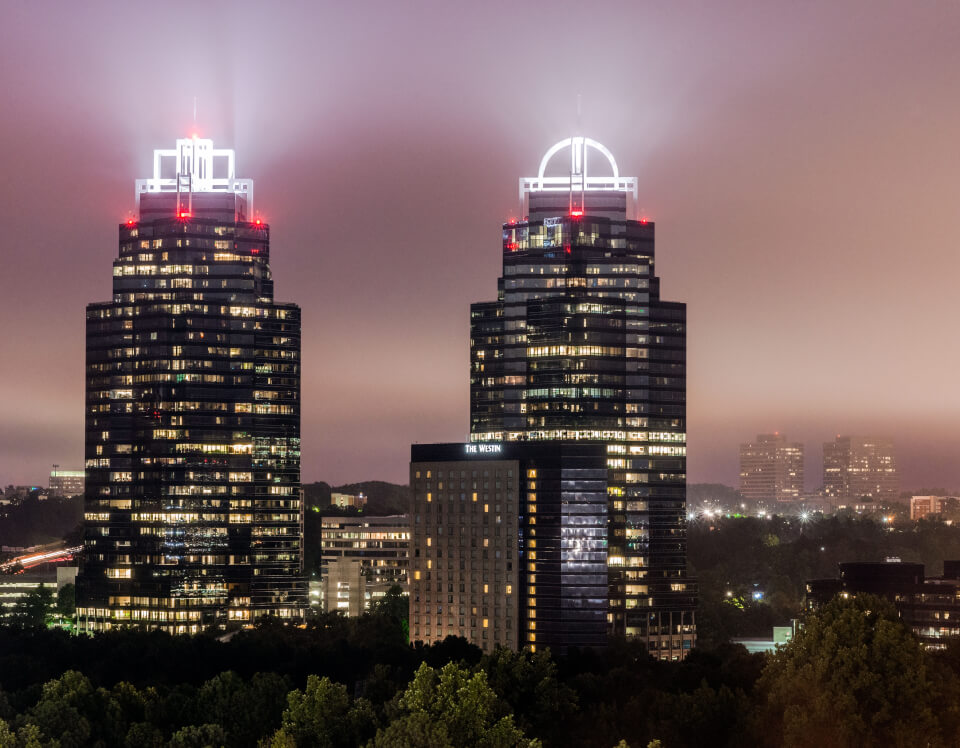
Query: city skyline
pixel 785 230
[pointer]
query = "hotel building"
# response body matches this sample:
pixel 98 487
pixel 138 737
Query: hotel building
pixel 509 544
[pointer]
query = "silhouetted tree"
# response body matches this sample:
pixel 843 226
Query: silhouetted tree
pixel 33 609
pixel 450 708
pixel 853 676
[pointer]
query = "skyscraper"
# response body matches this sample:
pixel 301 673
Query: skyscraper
pixel 771 469
pixel 579 346
pixel 192 509
pixel 857 467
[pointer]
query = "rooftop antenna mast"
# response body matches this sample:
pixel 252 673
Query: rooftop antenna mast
pixel 185 168
pixel 578 165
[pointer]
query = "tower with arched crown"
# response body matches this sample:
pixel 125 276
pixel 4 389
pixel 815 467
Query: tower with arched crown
pixel 579 346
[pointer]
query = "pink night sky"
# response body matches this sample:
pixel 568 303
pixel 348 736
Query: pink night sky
pixel 801 161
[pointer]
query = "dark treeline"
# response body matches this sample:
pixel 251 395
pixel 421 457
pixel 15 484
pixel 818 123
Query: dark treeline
pixel 202 685
pixel 31 521
pixel 854 676
pixel 382 497
pixel 777 556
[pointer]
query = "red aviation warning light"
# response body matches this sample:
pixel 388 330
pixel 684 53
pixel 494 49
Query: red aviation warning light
pixel 576 213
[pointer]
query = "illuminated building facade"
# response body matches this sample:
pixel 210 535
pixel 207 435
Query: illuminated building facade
pixel 192 504
pixel 380 545
pixel 66 482
pixel 344 500
pixel 580 346
pixel 924 506
pixel 343 588
pixel 509 544
pixel 771 469
pixel 855 467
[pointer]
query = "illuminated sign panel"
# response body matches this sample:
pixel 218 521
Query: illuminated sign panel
pixel 472 449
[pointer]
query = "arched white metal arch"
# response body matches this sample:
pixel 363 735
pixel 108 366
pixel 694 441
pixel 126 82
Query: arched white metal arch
pixel 578 155
pixel 579 177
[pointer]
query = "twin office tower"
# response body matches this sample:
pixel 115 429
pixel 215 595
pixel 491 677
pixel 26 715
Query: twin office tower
pixel 561 522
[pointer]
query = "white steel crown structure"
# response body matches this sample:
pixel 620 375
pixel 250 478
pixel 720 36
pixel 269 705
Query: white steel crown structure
pixel 195 159
pixel 579 179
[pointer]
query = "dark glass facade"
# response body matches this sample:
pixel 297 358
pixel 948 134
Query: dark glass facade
pixel 193 508
pixel 508 544
pixel 580 346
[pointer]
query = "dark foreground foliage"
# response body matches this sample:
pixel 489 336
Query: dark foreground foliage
pixel 853 677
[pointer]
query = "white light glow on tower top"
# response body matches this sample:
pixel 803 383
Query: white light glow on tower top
pixel 579 180
pixel 198 167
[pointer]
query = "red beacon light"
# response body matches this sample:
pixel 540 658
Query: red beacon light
pixel 131 222
pixel 184 214
pixel 576 213
pixel 258 222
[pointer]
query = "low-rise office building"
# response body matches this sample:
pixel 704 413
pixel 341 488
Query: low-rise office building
pixel 380 545
pixel 345 500
pixel 66 482
pixel 924 506
pixel 930 606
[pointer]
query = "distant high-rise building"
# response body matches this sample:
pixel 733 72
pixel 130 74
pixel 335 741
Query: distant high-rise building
pixel 380 545
pixel 509 545
pixel 66 482
pixel 192 510
pixel 855 467
pixel 771 469
pixel 579 345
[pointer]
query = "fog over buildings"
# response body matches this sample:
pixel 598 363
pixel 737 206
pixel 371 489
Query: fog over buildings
pixel 800 160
